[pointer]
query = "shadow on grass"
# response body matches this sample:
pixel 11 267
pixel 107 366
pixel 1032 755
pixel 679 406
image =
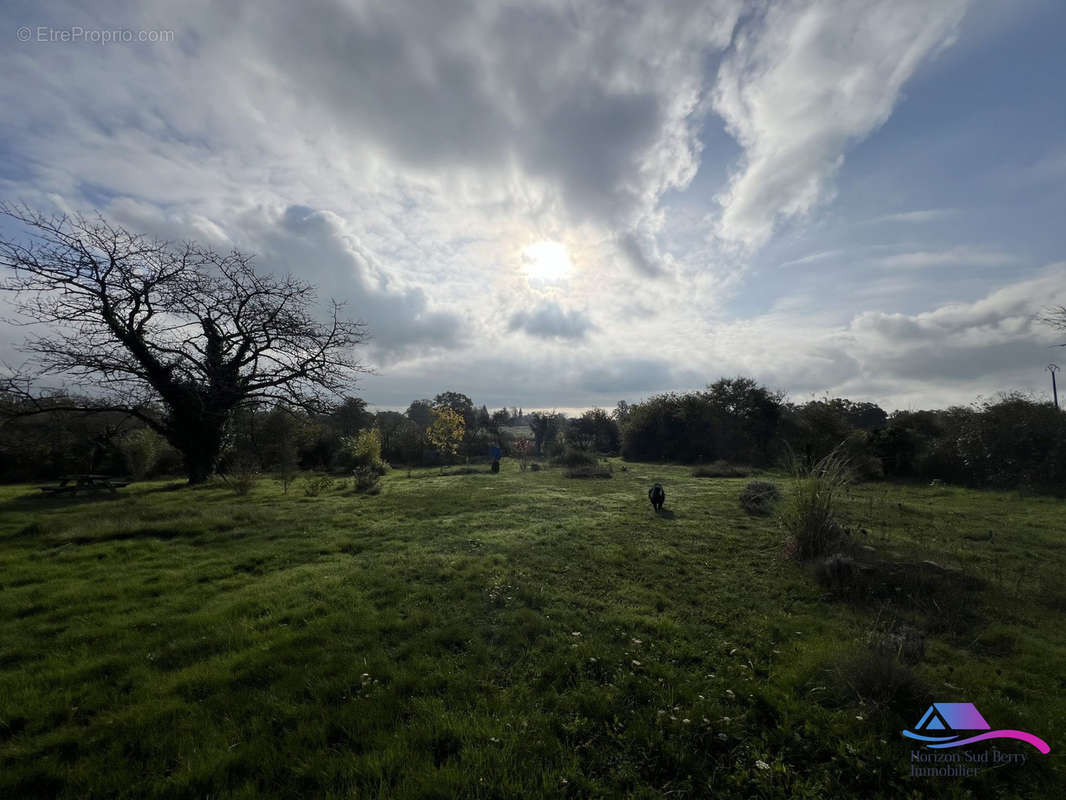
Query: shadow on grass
pixel 121 536
pixel 45 502
pixel 945 599
pixel 666 514
pixel 176 486
pixel 879 682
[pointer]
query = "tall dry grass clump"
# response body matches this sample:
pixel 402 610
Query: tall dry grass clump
pixel 810 512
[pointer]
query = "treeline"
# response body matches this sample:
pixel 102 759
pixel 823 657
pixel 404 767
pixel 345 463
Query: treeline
pixel 1010 442
pixel 45 444
pixel 1013 441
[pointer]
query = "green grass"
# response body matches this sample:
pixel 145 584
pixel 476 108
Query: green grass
pixel 511 635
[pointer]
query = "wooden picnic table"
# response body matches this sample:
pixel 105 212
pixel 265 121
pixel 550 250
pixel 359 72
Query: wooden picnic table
pixel 86 481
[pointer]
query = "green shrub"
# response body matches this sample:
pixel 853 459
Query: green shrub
pixel 363 451
pixel 574 457
pixel 759 497
pixel 809 514
pixel 721 469
pixel 367 448
pixel 589 471
pixel 315 485
pixel 367 480
pixel 243 474
pixel 140 450
pixel 863 463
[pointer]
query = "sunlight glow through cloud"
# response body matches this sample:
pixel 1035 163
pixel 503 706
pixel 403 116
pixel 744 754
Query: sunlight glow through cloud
pixel 546 262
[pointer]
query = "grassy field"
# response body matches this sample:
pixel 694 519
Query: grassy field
pixel 511 635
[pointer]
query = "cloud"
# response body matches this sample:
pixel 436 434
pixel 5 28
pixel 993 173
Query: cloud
pixel 1010 311
pixel 958 363
pixel 951 353
pixel 591 111
pixel 543 378
pixel 993 342
pixel 625 377
pixel 802 83
pixel 917 217
pixel 549 321
pixel 583 112
pixel 1051 169
pixel 317 246
pixel 955 256
pixel 638 310
pixel 814 258
pixel 641 255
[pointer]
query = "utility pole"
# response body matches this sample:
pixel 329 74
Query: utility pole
pixel 1053 368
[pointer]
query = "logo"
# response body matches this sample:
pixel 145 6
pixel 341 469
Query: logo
pixel 943 724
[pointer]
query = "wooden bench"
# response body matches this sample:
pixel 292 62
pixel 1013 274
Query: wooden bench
pixel 93 483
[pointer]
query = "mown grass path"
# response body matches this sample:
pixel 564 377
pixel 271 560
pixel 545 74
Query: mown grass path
pixel 511 635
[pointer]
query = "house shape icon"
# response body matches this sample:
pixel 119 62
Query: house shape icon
pixel 952 717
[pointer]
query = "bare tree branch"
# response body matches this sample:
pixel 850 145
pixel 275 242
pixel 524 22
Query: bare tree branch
pixel 1054 317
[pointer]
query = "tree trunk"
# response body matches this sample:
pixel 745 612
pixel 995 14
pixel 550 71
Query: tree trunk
pixel 198 467
pixel 200 444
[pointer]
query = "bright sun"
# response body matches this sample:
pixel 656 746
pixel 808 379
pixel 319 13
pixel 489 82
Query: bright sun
pixel 546 262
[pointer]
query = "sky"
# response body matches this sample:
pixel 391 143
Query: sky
pixel 566 204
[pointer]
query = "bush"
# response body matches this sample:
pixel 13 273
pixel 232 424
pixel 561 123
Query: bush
pixel 363 451
pixel 140 450
pixel 877 678
pixel 169 461
pixel 721 469
pixel 367 480
pixel 243 474
pixel 810 512
pixel 314 486
pixel 589 471
pixel 593 430
pixel 905 643
pixel 573 457
pixel 522 448
pixel 839 574
pixel 863 462
pixel 759 497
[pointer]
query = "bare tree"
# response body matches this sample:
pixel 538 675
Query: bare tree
pixel 177 336
pixel 1054 318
